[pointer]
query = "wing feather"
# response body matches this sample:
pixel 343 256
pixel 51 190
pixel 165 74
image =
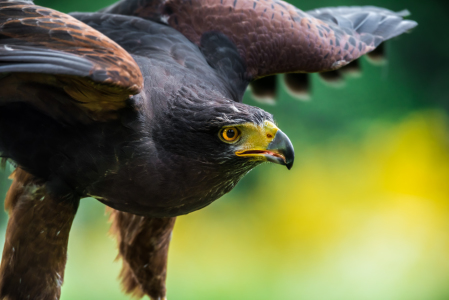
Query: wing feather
pixel 44 46
pixel 272 36
pixel 276 37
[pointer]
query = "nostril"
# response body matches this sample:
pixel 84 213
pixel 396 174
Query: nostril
pixel 269 136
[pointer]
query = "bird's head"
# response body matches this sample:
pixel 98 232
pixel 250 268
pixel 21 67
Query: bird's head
pixel 223 134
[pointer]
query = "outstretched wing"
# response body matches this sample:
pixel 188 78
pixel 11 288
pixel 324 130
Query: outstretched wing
pixel 379 23
pixel 262 38
pixel 41 48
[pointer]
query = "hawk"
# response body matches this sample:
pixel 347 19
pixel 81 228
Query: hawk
pixel 140 107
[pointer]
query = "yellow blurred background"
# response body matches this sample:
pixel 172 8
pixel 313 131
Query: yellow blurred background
pixel 363 214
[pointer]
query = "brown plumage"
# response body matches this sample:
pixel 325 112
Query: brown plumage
pixel 143 247
pixel 277 38
pixel 139 106
pixel 35 250
pixel 99 75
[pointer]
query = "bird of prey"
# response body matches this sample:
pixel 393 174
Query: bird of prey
pixel 140 107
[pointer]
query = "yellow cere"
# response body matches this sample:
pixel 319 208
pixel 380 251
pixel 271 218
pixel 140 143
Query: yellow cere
pixel 255 137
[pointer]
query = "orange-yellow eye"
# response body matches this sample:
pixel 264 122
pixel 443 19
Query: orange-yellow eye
pixel 230 134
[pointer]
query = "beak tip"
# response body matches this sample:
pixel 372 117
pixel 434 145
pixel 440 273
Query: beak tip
pixel 282 144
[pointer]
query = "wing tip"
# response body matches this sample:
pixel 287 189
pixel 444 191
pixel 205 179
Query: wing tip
pixel 264 89
pixel 352 69
pixel 332 78
pixel 411 24
pixel 403 13
pixel 298 85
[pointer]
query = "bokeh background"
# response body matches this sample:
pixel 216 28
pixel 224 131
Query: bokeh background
pixel 363 215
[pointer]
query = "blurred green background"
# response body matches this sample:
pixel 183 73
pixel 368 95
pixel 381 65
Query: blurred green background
pixel 364 213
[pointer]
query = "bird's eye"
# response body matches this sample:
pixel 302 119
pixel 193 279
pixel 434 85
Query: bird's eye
pixel 230 134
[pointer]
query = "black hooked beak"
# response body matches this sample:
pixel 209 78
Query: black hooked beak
pixel 283 150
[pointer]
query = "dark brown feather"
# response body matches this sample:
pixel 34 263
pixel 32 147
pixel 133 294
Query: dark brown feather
pixel 96 72
pixel 143 247
pixel 264 89
pixel 35 250
pixel 298 85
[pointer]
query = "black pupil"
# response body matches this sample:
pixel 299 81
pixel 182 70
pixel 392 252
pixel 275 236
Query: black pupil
pixel 230 133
